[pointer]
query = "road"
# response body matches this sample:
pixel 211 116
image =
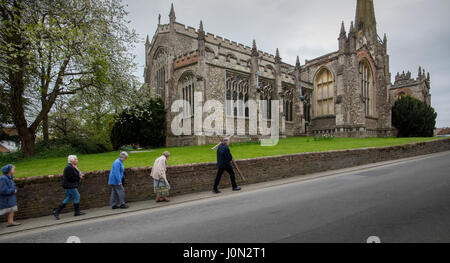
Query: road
pixel 403 202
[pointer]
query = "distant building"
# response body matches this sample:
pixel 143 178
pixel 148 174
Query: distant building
pixel 406 85
pixel 346 93
pixel 443 132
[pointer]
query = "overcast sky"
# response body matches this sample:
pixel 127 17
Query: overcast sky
pixel 418 31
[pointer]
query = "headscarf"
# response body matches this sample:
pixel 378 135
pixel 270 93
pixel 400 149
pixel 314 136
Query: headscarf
pixel 6 169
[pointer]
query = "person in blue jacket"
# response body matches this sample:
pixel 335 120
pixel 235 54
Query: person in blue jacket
pixel 224 159
pixel 8 190
pixel 116 182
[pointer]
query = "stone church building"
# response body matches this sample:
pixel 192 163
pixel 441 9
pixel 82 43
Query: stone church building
pixel 346 93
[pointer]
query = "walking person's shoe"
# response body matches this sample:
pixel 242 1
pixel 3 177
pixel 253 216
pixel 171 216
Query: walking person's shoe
pixel 58 210
pixel 13 224
pixel 237 189
pixel 215 191
pixel 77 211
pixel 115 207
pixel 124 206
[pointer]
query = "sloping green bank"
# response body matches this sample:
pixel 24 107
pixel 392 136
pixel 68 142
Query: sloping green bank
pixel 200 154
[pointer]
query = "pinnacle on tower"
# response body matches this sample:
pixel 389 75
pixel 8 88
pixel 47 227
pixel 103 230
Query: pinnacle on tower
pixel 352 28
pixel 201 25
pixel 342 38
pixel 147 44
pixel 254 49
pixel 201 32
pixel 277 57
pixel 297 63
pixel 343 33
pixel 172 14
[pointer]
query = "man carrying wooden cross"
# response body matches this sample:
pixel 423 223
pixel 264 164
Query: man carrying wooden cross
pixel 224 163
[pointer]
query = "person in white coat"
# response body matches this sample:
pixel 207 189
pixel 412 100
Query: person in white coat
pixel 159 176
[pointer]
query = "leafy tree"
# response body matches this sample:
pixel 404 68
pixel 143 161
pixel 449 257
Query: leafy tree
pixel 5 114
pixel 90 113
pixel 413 118
pixel 142 124
pixel 97 107
pixel 65 122
pixel 52 49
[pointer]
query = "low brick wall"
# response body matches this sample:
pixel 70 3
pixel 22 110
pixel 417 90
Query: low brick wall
pixel 37 196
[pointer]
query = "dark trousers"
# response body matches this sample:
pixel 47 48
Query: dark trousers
pixel 219 176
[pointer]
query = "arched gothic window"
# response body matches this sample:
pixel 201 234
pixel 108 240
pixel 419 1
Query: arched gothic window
pixel 159 72
pixel 366 86
pixel 324 93
pixel 237 94
pixel 288 106
pixel 265 96
pixel 187 93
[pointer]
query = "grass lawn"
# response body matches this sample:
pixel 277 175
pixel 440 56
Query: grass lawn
pixel 199 154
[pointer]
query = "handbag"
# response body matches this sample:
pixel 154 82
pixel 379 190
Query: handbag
pixel 162 191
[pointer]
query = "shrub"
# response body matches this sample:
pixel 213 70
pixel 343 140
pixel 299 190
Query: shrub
pixel 54 149
pixel 7 158
pixel 89 145
pixel 71 145
pixel 142 125
pixel 413 118
pixel 325 137
pixel 61 148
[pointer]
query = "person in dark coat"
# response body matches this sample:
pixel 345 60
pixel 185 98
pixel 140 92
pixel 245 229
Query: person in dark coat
pixel 224 159
pixel 70 183
pixel 8 190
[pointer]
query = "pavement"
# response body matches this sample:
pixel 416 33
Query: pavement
pixel 405 200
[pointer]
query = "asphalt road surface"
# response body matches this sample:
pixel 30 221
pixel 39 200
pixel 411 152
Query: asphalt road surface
pixel 404 202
